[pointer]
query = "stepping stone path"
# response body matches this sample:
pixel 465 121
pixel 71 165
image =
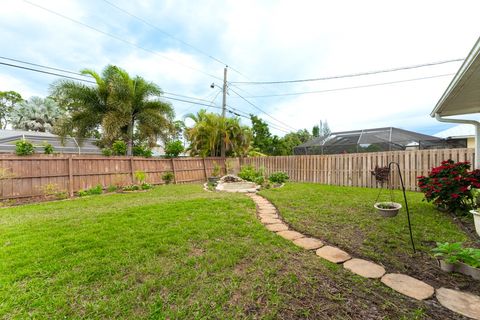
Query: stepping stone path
pixel 290 234
pixel 333 254
pixel 364 268
pixel 460 302
pixel 308 243
pixel 408 286
pixel 464 303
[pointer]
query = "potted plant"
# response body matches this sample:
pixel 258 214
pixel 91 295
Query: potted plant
pixel 453 257
pixel 388 209
pixel 215 176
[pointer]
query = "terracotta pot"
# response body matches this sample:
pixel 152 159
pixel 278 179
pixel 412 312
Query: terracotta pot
pixel 388 212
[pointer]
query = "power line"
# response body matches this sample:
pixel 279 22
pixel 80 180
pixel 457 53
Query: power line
pixel 44 67
pixel 120 39
pixel 350 88
pixel 352 74
pixel 253 105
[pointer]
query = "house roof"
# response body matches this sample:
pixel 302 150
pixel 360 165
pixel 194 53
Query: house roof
pixel 457 132
pixel 462 96
pixel 70 145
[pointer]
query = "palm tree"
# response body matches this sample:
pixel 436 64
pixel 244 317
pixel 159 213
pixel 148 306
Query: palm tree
pixel 208 129
pixel 119 106
pixel 36 114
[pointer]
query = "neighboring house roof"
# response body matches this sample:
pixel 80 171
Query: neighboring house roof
pixel 463 93
pixel 70 145
pixel 460 131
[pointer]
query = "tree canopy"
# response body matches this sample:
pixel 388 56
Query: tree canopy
pixel 36 114
pixel 121 107
pixel 8 101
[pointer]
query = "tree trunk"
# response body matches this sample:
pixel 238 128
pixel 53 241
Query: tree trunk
pixel 130 139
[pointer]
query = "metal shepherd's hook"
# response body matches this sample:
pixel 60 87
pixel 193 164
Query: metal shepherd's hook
pixel 405 199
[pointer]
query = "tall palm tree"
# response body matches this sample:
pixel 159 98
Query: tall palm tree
pixel 119 106
pixel 206 134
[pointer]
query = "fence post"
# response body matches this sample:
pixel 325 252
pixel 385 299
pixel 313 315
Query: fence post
pixel 70 175
pixel 205 169
pixel 174 172
pixel 132 174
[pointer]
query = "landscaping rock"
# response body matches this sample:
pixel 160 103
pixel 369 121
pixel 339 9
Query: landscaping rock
pixel 333 254
pixel 364 268
pixel 276 227
pixel 267 215
pixel 290 234
pixel 271 221
pixel 308 243
pixel 463 303
pixel 408 286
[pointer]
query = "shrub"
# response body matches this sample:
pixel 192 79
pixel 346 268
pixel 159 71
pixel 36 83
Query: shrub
pixel 92 191
pixel 142 151
pixel 47 148
pixel 132 187
pixel 173 149
pixel 51 190
pixel 278 177
pixel 216 169
pixel 146 186
pixel 24 148
pixel 140 176
pixel 454 252
pixel 111 188
pixel 450 186
pixel 107 152
pixel 249 173
pixel 168 177
pixel 119 148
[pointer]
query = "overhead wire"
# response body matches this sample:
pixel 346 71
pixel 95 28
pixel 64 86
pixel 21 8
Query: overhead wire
pixel 351 75
pixel 118 38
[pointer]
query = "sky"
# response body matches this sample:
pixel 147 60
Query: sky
pixel 183 46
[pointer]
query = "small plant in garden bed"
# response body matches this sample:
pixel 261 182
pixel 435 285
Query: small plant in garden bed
pixel 278 177
pixel 112 188
pixel 52 190
pixel 146 186
pixel 249 173
pixel 92 191
pixel 453 257
pixel 132 187
pixel 168 177
pixel 140 176
pixel 450 186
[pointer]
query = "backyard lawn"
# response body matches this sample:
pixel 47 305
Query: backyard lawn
pixel 180 252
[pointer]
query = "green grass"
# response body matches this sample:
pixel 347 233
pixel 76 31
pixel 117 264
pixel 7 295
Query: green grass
pixel 344 216
pixel 176 252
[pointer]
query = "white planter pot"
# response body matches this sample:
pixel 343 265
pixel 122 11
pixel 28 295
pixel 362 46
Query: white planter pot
pixel 476 219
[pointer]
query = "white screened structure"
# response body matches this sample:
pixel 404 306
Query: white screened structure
pixel 371 140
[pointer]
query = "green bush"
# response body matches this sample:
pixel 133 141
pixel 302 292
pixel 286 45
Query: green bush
pixel 173 149
pixel 168 177
pixel 454 253
pixel 119 148
pixel 92 191
pixel 142 151
pixel 140 176
pixel 132 187
pixel 146 186
pixel 112 188
pixel 107 152
pixel 278 177
pixel 24 148
pixel 47 148
pixel 216 169
pixel 249 173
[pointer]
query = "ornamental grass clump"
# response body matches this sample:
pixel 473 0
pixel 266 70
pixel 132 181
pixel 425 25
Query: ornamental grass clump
pixel 450 186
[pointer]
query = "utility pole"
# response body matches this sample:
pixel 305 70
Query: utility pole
pixel 224 109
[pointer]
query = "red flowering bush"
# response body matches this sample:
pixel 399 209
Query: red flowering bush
pixel 450 186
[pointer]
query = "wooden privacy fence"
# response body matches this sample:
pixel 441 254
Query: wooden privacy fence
pixel 355 169
pixel 29 176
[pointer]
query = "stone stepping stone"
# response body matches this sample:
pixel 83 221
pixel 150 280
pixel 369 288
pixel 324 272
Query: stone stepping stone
pixel 267 215
pixel 271 221
pixel 463 303
pixel 308 243
pixel 270 211
pixel 408 286
pixel 276 227
pixel 333 254
pixel 290 235
pixel 364 268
